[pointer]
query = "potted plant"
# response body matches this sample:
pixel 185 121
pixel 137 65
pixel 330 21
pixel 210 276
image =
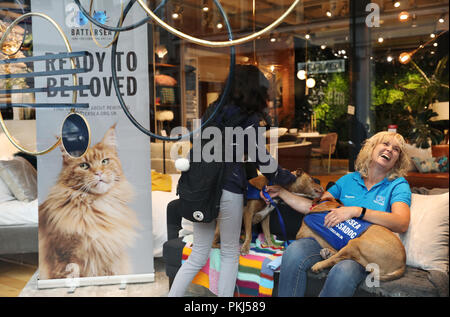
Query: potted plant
pixel 420 91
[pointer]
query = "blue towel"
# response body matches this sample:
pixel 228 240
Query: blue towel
pixel 275 264
pixel 339 235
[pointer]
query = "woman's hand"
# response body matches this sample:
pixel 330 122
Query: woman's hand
pixel 338 215
pixel 273 191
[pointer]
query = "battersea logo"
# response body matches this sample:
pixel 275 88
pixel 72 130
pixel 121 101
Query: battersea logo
pixel 79 24
pixel 379 200
pixel 75 18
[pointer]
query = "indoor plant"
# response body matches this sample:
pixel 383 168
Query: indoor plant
pixel 420 91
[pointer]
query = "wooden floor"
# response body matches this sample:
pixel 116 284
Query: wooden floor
pixel 14 276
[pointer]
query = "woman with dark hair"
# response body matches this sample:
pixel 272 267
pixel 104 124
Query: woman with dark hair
pixel 248 97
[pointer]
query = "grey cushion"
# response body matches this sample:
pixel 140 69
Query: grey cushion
pixel 21 178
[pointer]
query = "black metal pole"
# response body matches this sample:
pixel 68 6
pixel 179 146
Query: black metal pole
pixel 361 119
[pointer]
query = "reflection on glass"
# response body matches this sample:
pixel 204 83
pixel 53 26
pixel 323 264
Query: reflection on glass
pixel 75 135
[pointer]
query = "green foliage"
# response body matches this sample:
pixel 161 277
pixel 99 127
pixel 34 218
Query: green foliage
pixel 382 96
pixel 405 103
pixel 422 130
pixel 333 104
pixel 419 92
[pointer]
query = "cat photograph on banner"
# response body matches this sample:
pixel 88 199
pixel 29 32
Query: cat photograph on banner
pixel 95 209
pixel 86 221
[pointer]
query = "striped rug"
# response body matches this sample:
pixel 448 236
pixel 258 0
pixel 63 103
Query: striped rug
pixel 254 278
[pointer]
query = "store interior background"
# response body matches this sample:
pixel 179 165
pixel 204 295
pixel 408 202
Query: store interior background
pixel 360 85
pixel 359 82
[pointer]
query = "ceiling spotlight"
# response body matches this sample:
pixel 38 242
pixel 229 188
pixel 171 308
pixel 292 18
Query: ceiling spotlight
pixel 307 36
pixel 380 40
pixel 205 7
pixel 219 25
pixel 301 74
pixel 404 58
pixel 432 35
pixel 389 58
pixel 397 4
pixel 435 44
pixel 177 11
pixel 441 20
pixel 329 14
pixel 323 46
pixel 403 16
pixel 310 83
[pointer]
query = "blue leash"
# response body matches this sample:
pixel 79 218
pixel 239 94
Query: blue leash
pixel 280 218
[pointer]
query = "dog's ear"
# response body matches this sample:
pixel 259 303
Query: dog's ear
pixel 298 172
pixel 259 182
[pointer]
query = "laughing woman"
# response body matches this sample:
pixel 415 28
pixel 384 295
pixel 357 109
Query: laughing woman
pixel 377 192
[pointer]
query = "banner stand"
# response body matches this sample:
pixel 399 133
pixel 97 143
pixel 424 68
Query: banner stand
pixel 99 233
pixel 97 280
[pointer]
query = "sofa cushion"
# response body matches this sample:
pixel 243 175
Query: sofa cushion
pixel 428 165
pixel 21 178
pixel 5 192
pixel 426 241
pixel 421 154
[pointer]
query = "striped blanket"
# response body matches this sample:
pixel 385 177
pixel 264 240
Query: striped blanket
pixel 254 277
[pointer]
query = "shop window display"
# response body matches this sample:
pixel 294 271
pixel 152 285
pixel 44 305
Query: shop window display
pixel 348 67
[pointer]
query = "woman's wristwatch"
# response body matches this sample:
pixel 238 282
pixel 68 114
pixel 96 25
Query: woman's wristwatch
pixel 363 212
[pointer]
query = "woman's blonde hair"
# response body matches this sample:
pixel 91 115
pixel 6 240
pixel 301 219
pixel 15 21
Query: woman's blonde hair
pixel 364 158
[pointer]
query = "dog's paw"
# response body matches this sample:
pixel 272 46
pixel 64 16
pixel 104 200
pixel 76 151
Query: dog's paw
pixel 245 249
pixel 316 268
pixel 269 241
pixel 325 253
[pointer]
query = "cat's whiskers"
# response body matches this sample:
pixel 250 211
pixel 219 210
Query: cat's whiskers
pixel 82 190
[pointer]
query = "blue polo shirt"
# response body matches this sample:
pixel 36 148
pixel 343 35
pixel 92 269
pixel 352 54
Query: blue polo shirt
pixel 352 191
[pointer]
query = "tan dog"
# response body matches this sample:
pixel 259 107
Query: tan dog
pixel 304 184
pixel 376 245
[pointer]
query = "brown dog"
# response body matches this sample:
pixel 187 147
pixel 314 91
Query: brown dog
pixel 376 245
pixel 304 184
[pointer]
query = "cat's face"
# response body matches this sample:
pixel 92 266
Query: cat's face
pixel 97 171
